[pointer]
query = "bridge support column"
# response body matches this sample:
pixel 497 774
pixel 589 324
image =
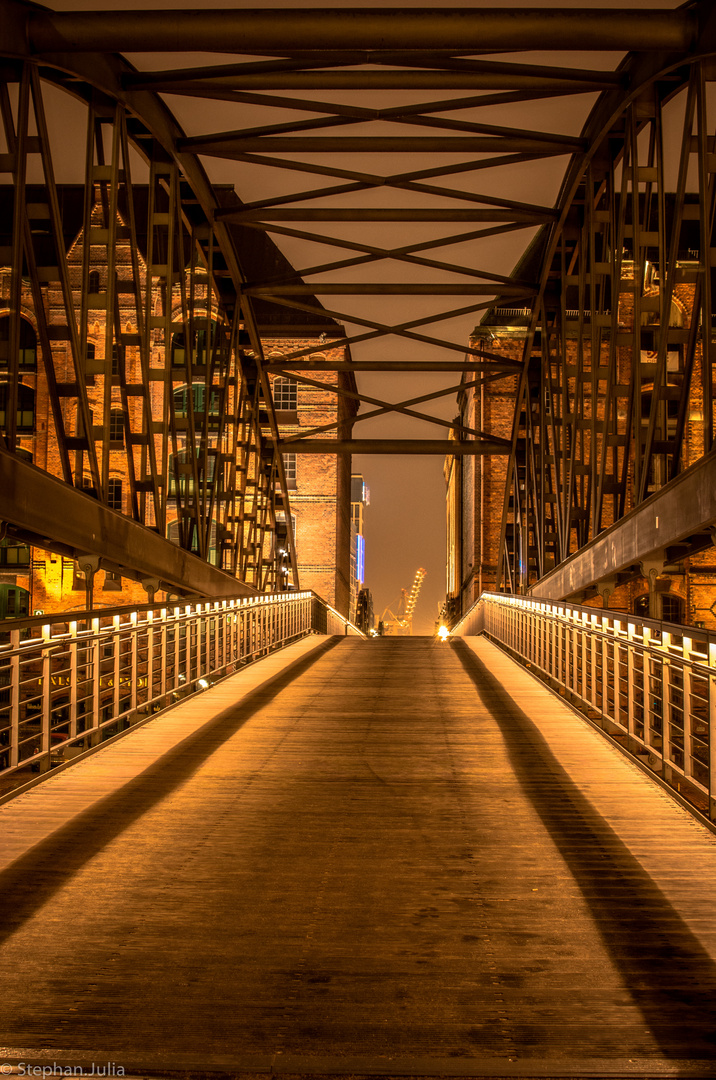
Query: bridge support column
pixel 651 568
pixel 605 588
pixel 89 565
pixel 151 586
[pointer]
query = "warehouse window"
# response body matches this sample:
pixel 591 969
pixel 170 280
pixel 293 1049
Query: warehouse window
pixel 285 395
pixel 116 426
pixel 114 495
pixel 25 415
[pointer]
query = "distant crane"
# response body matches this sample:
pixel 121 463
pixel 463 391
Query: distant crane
pixel 400 623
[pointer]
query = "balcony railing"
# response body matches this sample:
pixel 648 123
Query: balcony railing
pixel 650 686
pixel 74 679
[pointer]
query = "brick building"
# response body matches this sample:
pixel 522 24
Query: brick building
pixel 685 593
pixel 119 392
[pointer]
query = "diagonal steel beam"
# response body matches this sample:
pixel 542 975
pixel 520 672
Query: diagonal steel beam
pixel 516 74
pixel 404 407
pixel 539 138
pixel 375 179
pixel 384 329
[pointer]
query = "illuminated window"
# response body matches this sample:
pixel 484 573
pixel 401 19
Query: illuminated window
pixel 13 553
pixel 201 355
pixel 285 395
pixel 181 475
pixel 174 535
pixel 181 404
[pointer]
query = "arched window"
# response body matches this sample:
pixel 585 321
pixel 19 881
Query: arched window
pixel 181 474
pixel 202 355
pixel 173 535
pixel 14 602
pixel 27 350
pixel 25 416
pixel 94 281
pixel 199 394
pixel 285 395
pixel 670 607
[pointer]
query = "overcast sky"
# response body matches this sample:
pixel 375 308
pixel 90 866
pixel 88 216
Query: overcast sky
pixel 405 524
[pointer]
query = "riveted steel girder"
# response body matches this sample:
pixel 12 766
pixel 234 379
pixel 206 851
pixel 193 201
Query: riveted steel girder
pixel 467 30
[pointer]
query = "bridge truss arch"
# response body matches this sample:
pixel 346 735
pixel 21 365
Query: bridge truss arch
pixel 117 266
pixel 599 426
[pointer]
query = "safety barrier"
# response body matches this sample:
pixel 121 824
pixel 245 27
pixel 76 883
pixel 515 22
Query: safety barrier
pixel 649 685
pixel 74 679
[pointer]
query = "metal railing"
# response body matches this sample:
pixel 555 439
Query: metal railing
pixel 649 685
pixel 74 679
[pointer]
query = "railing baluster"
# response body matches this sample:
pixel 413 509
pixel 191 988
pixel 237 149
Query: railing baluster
pixel 650 692
pixel 133 665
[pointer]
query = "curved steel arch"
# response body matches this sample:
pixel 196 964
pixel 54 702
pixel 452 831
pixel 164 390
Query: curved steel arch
pixel 179 214
pixel 588 465
pixel 430 59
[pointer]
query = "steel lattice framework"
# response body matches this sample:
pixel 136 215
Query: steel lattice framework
pixel 582 453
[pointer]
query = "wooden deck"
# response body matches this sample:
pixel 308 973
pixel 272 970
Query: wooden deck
pixel 360 857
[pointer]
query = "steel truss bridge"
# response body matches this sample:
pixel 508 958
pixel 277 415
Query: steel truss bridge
pixel 311 94
pixel 234 834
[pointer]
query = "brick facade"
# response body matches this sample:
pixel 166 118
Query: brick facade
pixel 476 487
pixel 320 494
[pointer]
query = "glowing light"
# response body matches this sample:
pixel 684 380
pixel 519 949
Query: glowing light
pixel 443 633
pixel 203 684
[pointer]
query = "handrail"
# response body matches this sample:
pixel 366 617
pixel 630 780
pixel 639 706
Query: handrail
pixel 649 685
pixel 72 679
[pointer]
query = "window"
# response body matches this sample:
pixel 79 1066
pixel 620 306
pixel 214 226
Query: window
pixel 14 602
pixel 181 403
pixel 114 495
pixel 289 465
pixel 25 416
pixel 201 354
pixel 117 359
pixel 13 553
pixel 672 608
pixel 181 478
pixel 27 351
pixel 174 535
pixel 94 281
pixel 116 426
pixel 88 486
pixel 285 395
pixel 669 606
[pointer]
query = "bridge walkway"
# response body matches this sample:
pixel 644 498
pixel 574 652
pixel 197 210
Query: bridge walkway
pixel 393 856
